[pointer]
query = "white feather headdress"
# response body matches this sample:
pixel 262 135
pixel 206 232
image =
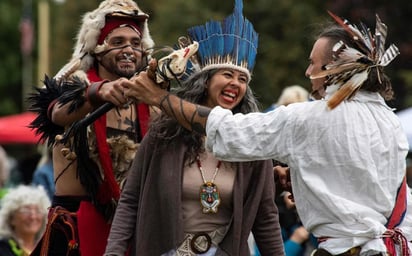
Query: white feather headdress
pixel 350 67
pixel 87 37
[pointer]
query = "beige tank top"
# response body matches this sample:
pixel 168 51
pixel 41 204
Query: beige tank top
pixel 193 217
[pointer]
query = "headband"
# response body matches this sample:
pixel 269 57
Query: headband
pixel 113 22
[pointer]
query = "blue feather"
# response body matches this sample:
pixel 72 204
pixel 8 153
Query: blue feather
pixel 234 40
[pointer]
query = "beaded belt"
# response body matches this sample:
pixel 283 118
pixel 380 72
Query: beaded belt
pixel 198 243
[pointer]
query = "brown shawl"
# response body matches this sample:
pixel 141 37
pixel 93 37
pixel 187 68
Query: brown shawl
pixel 149 215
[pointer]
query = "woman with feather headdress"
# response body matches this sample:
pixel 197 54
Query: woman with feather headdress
pixel 179 199
pixel 346 151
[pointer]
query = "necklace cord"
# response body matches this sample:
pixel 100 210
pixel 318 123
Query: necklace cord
pixel 199 165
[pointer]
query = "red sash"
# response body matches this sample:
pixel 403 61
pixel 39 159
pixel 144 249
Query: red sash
pixel 93 230
pixel 394 235
pixel 109 189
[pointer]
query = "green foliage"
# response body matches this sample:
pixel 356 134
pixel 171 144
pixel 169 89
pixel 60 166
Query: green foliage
pixel 285 30
pixel 65 21
pixel 10 63
pixel 284 45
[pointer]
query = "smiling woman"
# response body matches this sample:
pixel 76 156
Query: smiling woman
pixel 191 202
pixel 22 219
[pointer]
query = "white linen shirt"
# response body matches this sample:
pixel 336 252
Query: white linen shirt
pixel 346 164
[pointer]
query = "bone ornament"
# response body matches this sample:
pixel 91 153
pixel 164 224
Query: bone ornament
pixel 174 65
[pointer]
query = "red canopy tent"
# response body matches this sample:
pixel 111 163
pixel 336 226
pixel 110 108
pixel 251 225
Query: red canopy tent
pixel 14 129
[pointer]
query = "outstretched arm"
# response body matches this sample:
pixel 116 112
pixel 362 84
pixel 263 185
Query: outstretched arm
pixel 191 116
pixel 266 132
pixel 104 91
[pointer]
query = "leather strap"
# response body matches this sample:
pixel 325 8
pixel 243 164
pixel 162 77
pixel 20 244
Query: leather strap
pixel 92 93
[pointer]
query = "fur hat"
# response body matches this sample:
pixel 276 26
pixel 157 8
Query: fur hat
pixel 92 25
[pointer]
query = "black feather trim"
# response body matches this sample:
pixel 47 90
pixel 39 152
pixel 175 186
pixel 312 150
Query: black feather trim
pixel 39 102
pixel 87 170
pixel 73 91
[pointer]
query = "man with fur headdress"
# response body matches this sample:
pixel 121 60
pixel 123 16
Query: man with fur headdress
pixel 91 163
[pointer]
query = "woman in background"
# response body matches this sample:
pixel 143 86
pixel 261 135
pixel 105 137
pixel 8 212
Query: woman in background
pixel 22 219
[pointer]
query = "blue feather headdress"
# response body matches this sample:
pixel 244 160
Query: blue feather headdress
pixel 231 43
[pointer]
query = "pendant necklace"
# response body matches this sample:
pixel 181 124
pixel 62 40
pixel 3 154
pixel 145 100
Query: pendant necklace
pixel 209 194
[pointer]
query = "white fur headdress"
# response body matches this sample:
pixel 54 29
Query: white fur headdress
pixel 93 22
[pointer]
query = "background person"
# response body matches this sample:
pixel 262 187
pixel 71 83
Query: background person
pixel 43 174
pixel 294 236
pixel 297 240
pixel 4 171
pixel 290 94
pixel 22 219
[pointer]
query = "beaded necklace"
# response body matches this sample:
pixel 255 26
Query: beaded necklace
pixel 209 193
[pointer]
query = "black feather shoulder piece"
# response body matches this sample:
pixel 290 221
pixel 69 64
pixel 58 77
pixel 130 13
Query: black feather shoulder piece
pixel 64 91
pixel 39 102
pixel 73 91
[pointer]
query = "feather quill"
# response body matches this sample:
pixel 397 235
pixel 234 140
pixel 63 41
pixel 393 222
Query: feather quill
pixel 389 55
pixel 350 67
pixel 346 60
pixel 347 90
pixel 352 30
pixel 381 31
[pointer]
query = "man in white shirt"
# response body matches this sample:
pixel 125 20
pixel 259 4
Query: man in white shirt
pixel 346 151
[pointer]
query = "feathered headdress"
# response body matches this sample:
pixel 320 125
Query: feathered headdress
pixel 91 28
pixel 230 43
pixel 350 67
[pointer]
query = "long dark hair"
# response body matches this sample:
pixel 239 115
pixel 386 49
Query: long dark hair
pixel 167 129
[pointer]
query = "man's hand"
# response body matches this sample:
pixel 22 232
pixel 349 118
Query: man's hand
pixel 142 87
pixel 113 91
